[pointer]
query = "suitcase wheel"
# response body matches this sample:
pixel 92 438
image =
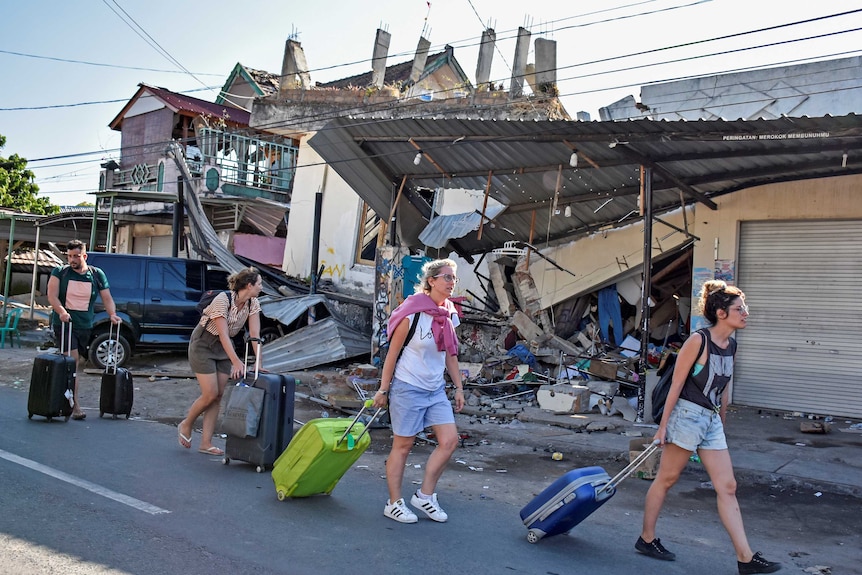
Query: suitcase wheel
pixel 101 413
pixel 280 494
pixel 226 460
pixel 260 468
pixel 533 536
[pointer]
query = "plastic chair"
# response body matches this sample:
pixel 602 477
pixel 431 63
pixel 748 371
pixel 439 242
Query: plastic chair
pixel 11 328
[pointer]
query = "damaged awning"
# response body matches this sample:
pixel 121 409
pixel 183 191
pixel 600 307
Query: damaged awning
pixel 561 180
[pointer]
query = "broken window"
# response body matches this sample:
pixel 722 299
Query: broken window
pixel 366 240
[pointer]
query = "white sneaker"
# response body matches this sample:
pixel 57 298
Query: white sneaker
pixel 399 512
pixel 430 507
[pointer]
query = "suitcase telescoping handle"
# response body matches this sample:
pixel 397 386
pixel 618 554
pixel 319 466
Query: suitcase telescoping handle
pixel 113 349
pixel 642 456
pixel 256 356
pixel 365 405
pixel 66 341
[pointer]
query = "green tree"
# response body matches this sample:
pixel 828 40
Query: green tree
pixel 17 189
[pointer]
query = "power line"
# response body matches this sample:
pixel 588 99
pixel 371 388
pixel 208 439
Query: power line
pixel 77 104
pixel 117 66
pixel 661 81
pixel 139 30
pixel 359 109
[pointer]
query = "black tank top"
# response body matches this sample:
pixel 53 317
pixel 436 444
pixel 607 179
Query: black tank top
pixel 706 387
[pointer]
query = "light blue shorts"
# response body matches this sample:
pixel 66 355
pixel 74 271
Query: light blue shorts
pixel 412 409
pixel 693 427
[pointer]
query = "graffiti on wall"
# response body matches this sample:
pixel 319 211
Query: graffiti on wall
pixel 333 270
pixel 388 294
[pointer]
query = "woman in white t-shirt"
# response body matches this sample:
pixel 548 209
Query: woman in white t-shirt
pixel 412 383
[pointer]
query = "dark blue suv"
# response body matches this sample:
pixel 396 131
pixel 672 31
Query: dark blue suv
pixel 156 297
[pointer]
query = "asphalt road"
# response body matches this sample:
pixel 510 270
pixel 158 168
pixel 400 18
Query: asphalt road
pixel 115 496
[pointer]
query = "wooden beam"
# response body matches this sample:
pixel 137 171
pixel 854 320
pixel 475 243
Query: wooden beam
pixel 484 205
pixel 429 158
pixel 385 225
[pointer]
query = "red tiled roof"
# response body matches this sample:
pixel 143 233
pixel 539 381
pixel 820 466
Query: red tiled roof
pixel 196 106
pixel 185 104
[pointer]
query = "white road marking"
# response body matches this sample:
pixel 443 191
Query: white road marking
pixel 97 489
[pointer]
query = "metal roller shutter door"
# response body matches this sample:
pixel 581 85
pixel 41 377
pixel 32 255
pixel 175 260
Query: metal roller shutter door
pixel 802 347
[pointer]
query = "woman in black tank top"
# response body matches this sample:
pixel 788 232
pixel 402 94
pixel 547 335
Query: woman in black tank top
pixel 693 420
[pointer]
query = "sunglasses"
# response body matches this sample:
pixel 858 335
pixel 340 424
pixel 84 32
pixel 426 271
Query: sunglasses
pixel 447 277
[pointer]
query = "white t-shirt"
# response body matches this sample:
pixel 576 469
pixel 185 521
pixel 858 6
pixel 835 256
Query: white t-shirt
pixel 421 364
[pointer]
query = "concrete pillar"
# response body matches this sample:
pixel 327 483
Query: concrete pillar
pixel 519 67
pixel 486 55
pixel 293 66
pixel 419 59
pixel 378 61
pixel 546 66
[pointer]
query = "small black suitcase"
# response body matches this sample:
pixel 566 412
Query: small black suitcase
pixel 117 393
pixel 52 381
pixel 276 420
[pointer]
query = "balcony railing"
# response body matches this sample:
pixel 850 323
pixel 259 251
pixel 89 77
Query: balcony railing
pixel 248 161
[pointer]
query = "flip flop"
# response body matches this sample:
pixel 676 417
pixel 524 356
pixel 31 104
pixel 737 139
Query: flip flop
pixel 211 451
pixel 183 440
pixel 79 416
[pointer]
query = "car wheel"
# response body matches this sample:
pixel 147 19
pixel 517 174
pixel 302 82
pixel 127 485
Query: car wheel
pixel 269 334
pixel 104 351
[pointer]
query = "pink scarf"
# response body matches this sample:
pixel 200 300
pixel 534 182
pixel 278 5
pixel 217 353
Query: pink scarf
pixel 441 326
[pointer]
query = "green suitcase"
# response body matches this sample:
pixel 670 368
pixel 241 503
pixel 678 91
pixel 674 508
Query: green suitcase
pixel 319 455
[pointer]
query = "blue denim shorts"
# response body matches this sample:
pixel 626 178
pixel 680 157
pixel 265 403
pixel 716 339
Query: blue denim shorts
pixel 693 427
pixel 412 409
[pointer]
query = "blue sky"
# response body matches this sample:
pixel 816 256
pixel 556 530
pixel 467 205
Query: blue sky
pixel 44 110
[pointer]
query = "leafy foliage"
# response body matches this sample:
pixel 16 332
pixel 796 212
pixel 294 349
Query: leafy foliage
pixel 17 189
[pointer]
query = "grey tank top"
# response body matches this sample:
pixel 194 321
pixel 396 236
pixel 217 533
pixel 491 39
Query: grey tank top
pixel 706 387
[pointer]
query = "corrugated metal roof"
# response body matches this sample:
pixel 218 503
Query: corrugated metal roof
pixel 531 173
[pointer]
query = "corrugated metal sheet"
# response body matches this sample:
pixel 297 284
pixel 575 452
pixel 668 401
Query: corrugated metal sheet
pixel 443 228
pixel 527 159
pixel 287 309
pixel 22 261
pixel 320 343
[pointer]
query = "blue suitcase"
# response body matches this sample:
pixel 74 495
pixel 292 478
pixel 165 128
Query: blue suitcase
pixel 572 498
pixel 276 421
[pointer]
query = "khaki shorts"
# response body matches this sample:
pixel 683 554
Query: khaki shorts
pixel 206 353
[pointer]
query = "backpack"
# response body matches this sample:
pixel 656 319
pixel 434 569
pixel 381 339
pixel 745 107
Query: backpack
pixel 665 374
pixel 208 297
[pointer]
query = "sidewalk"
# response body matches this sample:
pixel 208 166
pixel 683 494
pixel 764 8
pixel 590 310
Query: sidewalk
pixel 766 448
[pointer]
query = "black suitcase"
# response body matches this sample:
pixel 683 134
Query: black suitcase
pixel 117 390
pixel 52 382
pixel 276 420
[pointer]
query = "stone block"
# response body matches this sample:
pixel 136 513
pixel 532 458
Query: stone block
pixel 564 398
